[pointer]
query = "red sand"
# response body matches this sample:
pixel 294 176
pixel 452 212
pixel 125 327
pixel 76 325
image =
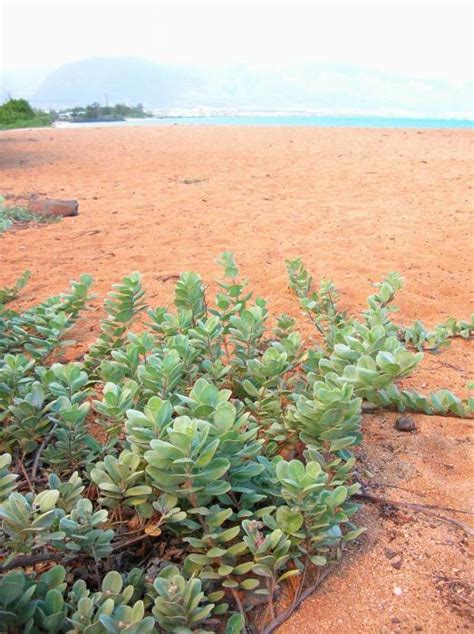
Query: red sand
pixel 354 204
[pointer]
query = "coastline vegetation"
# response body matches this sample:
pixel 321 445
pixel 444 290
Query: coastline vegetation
pixel 176 475
pixel 96 112
pixel 18 113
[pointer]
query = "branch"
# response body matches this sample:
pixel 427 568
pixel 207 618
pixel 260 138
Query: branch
pixel 135 540
pixel 40 451
pixel 428 506
pixel 26 561
pixel 419 508
pixel 284 616
pixel 23 470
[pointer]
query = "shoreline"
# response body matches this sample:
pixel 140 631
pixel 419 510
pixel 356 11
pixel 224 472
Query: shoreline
pixel 290 121
pixel 243 126
pixel 268 120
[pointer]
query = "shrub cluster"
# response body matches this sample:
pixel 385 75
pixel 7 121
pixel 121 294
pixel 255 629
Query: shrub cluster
pixel 17 113
pixel 183 470
pixel 96 112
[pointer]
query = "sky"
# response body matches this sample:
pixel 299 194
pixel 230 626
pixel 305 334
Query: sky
pixel 429 40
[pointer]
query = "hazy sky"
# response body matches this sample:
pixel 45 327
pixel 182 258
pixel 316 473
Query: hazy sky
pixel 415 39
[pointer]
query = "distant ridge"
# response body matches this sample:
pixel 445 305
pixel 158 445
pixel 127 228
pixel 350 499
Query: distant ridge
pixel 124 80
pixel 325 87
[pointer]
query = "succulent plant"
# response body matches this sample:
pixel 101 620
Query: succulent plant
pixel 181 605
pixel 7 479
pixel 28 421
pixel 30 604
pixel 27 520
pixel 121 482
pixel 217 440
pixel 83 533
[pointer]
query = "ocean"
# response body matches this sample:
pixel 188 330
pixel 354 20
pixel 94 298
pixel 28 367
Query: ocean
pixel 288 120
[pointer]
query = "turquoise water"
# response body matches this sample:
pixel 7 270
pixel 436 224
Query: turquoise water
pixel 290 120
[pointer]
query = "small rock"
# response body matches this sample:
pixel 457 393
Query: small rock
pixel 389 553
pixel 395 620
pixel 405 423
pixel 397 591
pixel 396 563
pixel 53 207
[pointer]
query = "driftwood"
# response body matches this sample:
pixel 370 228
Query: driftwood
pixel 53 207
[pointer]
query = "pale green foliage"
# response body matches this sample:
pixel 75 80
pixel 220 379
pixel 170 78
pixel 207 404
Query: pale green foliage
pixel 7 479
pixel 142 427
pixel 9 293
pixel 166 444
pixel 108 609
pixel 271 552
pixel 15 379
pixel 122 306
pixel 116 400
pixel 120 481
pixel 70 491
pixel 28 520
pixel 83 531
pixel 180 606
pixel 28 421
pixel 38 331
pixel 329 419
pixel 30 604
pixel 433 340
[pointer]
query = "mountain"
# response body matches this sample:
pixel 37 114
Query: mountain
pixel 311 86
pixel 123 80
pixel 21 83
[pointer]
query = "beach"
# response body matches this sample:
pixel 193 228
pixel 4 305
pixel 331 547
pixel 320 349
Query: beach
pixel 354 204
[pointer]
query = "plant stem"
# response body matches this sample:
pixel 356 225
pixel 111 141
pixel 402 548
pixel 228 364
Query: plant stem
pixel 23 470
pixel 26 561
pixel 281 618
pixel 419 508
pixel 238 602
pixel 40 451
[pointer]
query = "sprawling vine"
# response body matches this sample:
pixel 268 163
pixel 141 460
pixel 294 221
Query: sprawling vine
pixel 178 475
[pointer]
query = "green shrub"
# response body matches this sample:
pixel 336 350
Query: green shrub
pixel 15 109
pixel 17 113
pixel 212 451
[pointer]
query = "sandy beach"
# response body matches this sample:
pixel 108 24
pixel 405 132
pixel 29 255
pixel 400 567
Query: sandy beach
pixel 354 204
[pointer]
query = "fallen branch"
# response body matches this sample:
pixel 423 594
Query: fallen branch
pixel 135 540
pixel 419 508
pixel 27 561
pixel 428 506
